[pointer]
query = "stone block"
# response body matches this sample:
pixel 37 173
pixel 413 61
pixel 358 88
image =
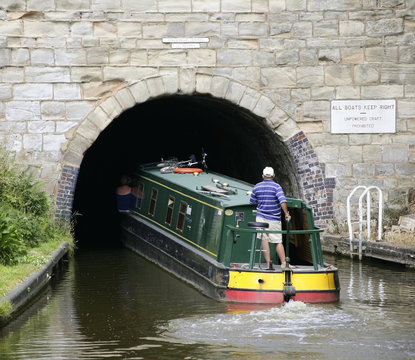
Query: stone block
pixel 66 91
pixel 366 74
pixel 175 6
pixel 86 74
pixel 206 6
pixel 381 91
pixel 235 92
pixel 316 110
pixel 45 29
pixel 326 28
pixel 372 153
pixel 47 74
pixel 129 29
pixel 52 110
pixel 236 5
pixel 278 77
pixel 338 170
pixel 88 130
pixel 405 169
pixel 348 92
pixel 140 91
pixel 155 86
pixel 203 83
pixel 33 91
pixel 263 58
pixel 398 74
pixel 353 55
pixel 253 30
pixel 338 75
pixel 201 57
pixel 5 91
pixel 77 110
pixel 219 86
pixel 142 5
pixel 82 28
pixel 264 107
pixel 384 169
pixel 310 76
pixel 125 98
pixel 42 57
pixel 363 170
pixel 280 29
pixel 308 57
pixel 287 57
pixel 170 80
pixel 296 5
pixel 70 57
pixel 53 142
pixel 11 28
pixel 395 153
pixel 302 29
pixel 111 107
pixel 351 28
pixel 39 127
pixel 154 31
pixel 323 93
pixel 384 27
pixel 22 110
pixel 382 54
pixel 226 57
pixel 32 142
pixel 406 108
pixel 329 55
pixel 128 73
pixel 97 56
pixel 19 57
pixel 99 118
pixel 5 57
pixel 64 126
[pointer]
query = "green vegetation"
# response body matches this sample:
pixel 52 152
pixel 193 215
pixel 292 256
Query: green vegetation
pixel 29 234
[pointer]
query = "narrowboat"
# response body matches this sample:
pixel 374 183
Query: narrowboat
pixel 200 226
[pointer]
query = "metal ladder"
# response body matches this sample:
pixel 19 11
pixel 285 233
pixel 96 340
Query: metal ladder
pixel 366 191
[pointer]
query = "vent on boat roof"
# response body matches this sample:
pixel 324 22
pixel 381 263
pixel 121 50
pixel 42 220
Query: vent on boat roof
pixel 215 189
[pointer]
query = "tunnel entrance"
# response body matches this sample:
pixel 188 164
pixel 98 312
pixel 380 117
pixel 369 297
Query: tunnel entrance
pixel 237 142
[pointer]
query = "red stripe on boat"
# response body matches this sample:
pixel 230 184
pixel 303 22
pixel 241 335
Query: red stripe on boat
pixel 255 297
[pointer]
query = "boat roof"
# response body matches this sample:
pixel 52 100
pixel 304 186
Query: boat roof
pixel 213 187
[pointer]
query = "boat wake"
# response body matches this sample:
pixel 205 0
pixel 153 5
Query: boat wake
pixel 292 322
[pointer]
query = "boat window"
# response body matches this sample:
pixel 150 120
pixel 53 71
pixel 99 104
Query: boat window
pixel 182 215
pixel 153 201
pixel 138 192
pixel 170 205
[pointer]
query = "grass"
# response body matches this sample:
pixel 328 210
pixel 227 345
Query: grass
pixel 12 276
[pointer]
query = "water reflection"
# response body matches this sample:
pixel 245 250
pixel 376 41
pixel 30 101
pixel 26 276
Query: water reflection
pixel 114 304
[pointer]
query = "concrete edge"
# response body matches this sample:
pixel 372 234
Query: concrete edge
pixel 397 254
pixel 25 292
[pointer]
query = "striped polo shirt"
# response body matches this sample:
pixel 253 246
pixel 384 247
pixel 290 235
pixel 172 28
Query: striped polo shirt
pixel 268 196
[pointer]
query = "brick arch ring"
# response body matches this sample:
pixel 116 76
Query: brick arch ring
pixel 316 188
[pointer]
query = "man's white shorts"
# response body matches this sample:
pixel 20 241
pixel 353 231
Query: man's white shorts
pixel 273 225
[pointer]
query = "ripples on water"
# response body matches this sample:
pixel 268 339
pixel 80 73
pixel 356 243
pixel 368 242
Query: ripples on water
pixel 115 305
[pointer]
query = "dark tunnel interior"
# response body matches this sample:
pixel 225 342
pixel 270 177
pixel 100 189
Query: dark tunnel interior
pixel 237 143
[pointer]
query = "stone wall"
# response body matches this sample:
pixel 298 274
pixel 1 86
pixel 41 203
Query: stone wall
pixel 64 65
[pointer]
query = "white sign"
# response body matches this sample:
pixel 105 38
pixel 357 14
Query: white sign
pixel 363 116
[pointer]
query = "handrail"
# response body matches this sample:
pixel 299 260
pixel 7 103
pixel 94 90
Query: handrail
pixel 366 192
pixel 296 232
pixel 313 240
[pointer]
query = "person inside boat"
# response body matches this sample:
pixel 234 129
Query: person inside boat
pixel 270 199
pixel 124 194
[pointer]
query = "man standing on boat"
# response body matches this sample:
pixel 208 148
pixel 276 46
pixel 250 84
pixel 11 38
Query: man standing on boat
pixel 270 200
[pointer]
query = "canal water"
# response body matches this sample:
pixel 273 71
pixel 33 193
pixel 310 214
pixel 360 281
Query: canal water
pixel 113 304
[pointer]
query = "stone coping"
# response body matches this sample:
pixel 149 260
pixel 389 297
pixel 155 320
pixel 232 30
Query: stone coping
pixel 25 292
pixel 394 253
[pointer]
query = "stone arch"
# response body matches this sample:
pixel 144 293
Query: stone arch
pixel 315 187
